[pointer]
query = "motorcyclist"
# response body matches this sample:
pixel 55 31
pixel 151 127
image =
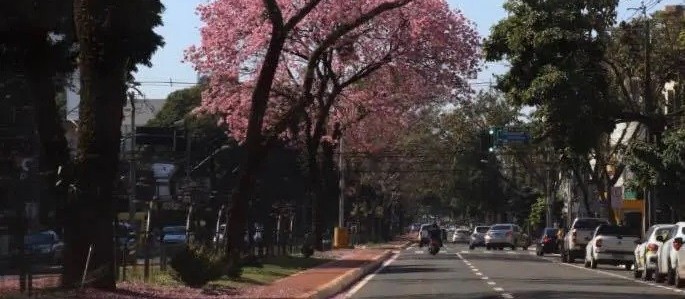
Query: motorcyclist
pixel 435 233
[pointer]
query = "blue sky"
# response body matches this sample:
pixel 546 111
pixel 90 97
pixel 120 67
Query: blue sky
pixel 181 29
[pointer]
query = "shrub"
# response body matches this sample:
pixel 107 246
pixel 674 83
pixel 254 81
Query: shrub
pixel 196 265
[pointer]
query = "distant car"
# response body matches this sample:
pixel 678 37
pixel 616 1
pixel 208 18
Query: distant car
pixel 506 235
pixel 578 237
pixel 461 236
pixel 478 236
pixel 547 242
pixel 44 246
pixel 174 235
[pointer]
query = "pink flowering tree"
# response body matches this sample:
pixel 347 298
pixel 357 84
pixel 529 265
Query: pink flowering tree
pixel 343 62
pixel 242 47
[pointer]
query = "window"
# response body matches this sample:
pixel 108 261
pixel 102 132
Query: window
pixel 501 227
pixel 482 229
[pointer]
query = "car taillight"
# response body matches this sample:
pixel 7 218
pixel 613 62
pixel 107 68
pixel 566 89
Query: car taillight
pixel 598 243
pixel 653 247
pixel 546 239
pixel 677 245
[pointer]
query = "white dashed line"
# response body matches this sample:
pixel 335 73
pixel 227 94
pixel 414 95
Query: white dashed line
pixel 485 278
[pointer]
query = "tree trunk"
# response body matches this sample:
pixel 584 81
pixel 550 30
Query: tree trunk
pixel 316 193
pixel 103 94
pixel 255 148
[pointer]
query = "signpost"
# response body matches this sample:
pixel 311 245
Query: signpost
pixel 505 136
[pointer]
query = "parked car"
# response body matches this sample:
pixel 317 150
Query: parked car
pixel 506 235
pixel 613 245
pixel 478 236
pixel 671 259
pixel 547 242
pixel 44 247
pixel 174 235
pixel 461 236
pixel 578 236
pixel 646 252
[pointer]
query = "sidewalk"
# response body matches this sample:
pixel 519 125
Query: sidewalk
pixel 331 278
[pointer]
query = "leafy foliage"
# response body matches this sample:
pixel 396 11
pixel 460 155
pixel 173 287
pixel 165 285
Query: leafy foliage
pixel 556 49
pixel 197 265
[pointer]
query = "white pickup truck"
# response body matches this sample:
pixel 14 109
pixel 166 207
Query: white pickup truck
pixel 578 236
pixel 611 244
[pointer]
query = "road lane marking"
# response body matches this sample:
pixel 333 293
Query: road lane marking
pixel 418 251
pixel 366 279
pixel 485 278
pixel 618 276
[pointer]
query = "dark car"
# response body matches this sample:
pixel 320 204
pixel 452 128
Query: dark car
pixel 44 246
pixel 547 242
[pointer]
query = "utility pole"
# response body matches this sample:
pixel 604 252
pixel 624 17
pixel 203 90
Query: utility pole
pixel 132 161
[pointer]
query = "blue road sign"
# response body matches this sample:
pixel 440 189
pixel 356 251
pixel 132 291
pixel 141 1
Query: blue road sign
pixel 515 137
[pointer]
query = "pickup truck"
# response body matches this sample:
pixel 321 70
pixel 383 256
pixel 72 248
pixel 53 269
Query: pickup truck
pixel 613 245
pixel 578 236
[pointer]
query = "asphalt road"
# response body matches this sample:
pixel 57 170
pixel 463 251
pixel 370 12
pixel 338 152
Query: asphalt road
pixel 457 272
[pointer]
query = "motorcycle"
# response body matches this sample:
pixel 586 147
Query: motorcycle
pixel 434 247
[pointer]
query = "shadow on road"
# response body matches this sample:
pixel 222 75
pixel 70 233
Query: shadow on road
pixel 404 269
pixel 586 295
pixel 506 257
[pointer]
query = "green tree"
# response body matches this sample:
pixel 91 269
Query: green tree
pixel 113 37
pixel 556 49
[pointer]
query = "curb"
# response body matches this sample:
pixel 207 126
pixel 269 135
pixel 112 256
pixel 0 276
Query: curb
pixel 348 279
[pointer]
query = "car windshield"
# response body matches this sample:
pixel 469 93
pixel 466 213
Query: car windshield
pixel 174 230
pixel 482 229
pixel 462 231
pixel 550 231
pixel 589 223
pixel 615 230
pixel 38 238
pixel 501 227
pixel 663 232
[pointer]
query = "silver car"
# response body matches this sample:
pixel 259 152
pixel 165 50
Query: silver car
pixel 461 236
pixel 505 235
pixel 478 236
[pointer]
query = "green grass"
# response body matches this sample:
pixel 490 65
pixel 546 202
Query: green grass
pixel 272 269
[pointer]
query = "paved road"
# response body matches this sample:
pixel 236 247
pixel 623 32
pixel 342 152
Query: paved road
pixel 457 272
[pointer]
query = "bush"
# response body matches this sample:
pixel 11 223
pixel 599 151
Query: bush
pixel 197 265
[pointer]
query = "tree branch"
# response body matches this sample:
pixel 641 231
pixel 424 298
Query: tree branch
pixel 301 14
pixel 275 15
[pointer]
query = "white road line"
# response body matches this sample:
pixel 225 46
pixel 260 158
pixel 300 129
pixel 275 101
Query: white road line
pixel 464 251
pixel 485 278
pixel 418 251
pixel 619 276
pixel 366 279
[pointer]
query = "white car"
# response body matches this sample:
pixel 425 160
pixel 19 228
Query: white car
pixel 646 253
pixel 461 236
pixel 669 257
pixel 611 244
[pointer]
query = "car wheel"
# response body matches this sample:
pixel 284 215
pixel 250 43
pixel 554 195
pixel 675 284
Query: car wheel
pixel 637 273
pixel 471 247
pixel 658 276
pixel 501 248
pixel 648 275
pixel 571 259
pixel 487 247
pixel 670 277
pixel 629 266
pixel 564 258
pixel 586 263
pixel 679 281
pixel 513 247
pixel 593 263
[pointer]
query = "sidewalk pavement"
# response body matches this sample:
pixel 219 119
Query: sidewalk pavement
pixel 331 278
